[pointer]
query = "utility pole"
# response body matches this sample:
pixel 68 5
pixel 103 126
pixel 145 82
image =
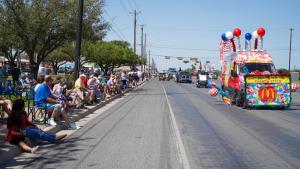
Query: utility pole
pixel 142 40
pixel 145 52
pixel 142 45
pixel 78 40
pixel 290 53
pixel 149 69
pixel 135 13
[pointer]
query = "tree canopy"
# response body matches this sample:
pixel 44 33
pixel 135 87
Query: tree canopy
pixel 41 26
pixel 113 54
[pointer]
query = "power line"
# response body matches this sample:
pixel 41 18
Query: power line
pixel 136 6
pixel 119 34
pixel 130 4
pixel 124 7
pixel 165 47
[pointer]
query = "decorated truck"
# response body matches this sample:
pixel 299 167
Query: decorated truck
pixel 248 76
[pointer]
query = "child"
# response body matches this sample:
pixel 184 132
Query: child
pixel 20 128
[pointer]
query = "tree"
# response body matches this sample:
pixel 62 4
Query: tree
pixel 44 25
pixel 110 55
pixel 9 43
pixel 57 58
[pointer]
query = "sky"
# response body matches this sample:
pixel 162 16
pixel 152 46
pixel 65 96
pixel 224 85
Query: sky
pixel 193 28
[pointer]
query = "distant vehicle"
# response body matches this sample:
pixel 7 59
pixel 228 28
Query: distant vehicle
pixel 172 73
pixel 202 79
pixel 184 77
pixel 162 76
pixel 213 75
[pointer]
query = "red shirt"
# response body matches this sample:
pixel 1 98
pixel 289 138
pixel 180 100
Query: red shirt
pixel 84 81
pixel 18 128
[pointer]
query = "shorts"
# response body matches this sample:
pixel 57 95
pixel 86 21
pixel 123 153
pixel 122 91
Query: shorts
pixel 54 107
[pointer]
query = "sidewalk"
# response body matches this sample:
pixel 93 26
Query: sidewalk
pixel 8 151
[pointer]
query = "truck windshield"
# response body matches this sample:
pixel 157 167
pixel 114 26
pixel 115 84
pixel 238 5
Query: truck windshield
pixel 261 67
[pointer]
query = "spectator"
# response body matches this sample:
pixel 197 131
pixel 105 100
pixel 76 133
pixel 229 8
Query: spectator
pixel 42 70
pixel 20 128
pixel 16 72
pixel 43 96
pixel 111 84
pixel 3 74
pixel 6 105
pixel 82 95
pixel 24 82
pixel 93 87
pixel 59 91
pixel 40 80
pixel 124 79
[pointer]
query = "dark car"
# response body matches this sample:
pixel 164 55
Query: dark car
pixel 162 76
pixel 184 77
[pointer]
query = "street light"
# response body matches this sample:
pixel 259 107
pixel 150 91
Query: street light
pixel 78 39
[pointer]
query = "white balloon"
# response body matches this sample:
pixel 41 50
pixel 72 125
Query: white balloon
pixel 229 35
pixel 254 35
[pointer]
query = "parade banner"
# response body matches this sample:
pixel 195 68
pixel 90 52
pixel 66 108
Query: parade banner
pixel 267 90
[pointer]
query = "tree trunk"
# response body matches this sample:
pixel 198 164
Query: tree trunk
pixel 34 70
pixel 55 67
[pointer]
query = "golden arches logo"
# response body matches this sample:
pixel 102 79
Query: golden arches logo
pixel 267 94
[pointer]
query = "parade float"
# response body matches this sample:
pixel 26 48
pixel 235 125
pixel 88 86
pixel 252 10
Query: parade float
pixel 248 76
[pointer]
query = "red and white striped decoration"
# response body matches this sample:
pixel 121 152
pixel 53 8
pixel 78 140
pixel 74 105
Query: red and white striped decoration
pixel 240 61
pixel 213 91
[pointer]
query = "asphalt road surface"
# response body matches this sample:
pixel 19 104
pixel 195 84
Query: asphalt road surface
pixel 139 132
pixel 216 135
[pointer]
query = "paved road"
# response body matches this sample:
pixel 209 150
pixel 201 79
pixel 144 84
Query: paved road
pixel 137 132
pixel 216 135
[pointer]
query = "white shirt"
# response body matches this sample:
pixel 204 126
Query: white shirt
pixel 42 71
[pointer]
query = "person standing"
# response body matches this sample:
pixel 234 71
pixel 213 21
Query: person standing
pixel 3 74
pixel 42 70
pixel 16 72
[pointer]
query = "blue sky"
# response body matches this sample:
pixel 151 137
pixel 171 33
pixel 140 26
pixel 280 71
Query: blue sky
pixel 192 28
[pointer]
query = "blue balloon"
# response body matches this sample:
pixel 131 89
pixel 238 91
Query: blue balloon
pixel 223 36
pixel 248 36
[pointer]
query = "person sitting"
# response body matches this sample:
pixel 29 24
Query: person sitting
pixel 44 97
pixel 111 84
pixel 20 128
pixel 23 81
pixel 82 95
pixel 93 86
pixel 59 91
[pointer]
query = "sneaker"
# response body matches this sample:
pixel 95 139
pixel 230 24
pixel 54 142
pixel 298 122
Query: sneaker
pixel 73 126
pixel 34 149
pixel 52 122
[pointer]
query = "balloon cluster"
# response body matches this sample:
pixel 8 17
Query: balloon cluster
pixel 259 33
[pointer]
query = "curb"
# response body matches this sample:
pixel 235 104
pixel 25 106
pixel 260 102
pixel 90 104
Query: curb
pixel 8 151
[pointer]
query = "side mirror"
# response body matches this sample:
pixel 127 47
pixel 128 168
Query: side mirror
pixel 233 73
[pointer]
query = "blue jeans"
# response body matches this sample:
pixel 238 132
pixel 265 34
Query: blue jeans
pixel 32 133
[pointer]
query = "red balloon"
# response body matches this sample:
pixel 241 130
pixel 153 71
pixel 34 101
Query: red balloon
pixel 261 32
pixel 237 32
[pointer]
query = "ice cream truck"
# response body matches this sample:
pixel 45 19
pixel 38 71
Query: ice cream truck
pixel 248 76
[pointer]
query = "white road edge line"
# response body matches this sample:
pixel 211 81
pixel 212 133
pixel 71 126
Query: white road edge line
pixel 182 153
